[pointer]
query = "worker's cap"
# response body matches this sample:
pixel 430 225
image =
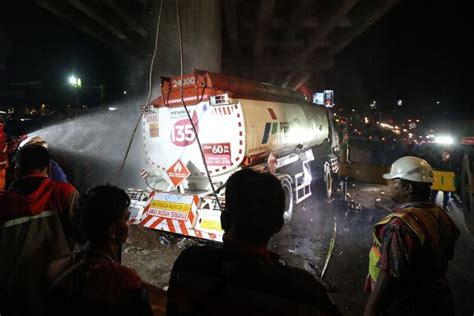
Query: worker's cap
pixel 412 169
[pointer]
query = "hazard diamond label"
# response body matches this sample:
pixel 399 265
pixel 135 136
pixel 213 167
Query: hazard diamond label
pixel 178 172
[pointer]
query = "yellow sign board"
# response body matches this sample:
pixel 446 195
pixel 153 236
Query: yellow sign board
pixel 210 224
pixel 443 181
pixel 171 206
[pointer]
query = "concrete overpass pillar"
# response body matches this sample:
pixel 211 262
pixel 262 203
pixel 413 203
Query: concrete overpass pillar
pixel 201 34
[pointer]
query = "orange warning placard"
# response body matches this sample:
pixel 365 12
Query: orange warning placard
pixel 178 172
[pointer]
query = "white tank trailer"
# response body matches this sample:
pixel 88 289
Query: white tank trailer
pixel 240 124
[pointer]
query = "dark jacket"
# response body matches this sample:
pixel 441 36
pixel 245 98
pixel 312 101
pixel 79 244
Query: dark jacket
pixel 242 280
pixel 91 282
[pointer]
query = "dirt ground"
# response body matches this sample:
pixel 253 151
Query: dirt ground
pixel 304 243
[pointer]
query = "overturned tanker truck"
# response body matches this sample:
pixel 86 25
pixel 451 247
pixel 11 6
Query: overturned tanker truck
pixel 204 127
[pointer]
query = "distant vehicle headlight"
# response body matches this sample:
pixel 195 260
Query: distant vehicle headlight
pixel 444 139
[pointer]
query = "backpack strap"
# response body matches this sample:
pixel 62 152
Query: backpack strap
pixel 67 273
pixel 87 254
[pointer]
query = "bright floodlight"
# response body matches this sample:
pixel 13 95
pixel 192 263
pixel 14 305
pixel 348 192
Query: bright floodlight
pixel 72 80
pixel 444 139
pixel 75 81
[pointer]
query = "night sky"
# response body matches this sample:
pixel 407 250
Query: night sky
pixel 45 51
pixel 420 52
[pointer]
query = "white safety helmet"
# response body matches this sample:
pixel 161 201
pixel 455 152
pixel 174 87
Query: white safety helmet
pixel 34 140
pixel 3 117
pixel 412 169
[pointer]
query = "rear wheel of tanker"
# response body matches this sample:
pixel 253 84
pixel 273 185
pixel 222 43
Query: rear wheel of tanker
pixel 328 181
pixel 466 194
pixel 286 185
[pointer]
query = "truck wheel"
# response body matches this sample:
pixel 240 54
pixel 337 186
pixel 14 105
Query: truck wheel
pixel 328 181
pixel 466 193
pixel 286 185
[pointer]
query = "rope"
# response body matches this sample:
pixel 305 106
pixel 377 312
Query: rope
pixel 181 63
pixel 150 77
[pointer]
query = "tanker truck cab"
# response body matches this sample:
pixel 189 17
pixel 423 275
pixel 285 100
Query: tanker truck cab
pixel 205 127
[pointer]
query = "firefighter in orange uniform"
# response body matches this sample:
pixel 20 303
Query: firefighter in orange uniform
pixel 35 228
pixel 6 148
pixel 412 247
pixel 3 156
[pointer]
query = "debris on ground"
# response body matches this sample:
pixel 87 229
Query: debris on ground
pixel 164 241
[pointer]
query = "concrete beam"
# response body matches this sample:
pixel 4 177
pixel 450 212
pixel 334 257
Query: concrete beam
pixel 97 18
pixel 295 21
pixel 89 28
pixel 344 22
pixel 367 20
pixel 264 16
pixel 272 43
pixel 310 23
pixel 272 78
pixel 322 57
pixel 327 25
pixel 127 18
pixel 279 23
pixel 230 14
pixel 288 79
pixel 277 67
pixel 302 80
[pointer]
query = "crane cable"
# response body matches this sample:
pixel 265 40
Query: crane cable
pixel 181 62
pixel 150 77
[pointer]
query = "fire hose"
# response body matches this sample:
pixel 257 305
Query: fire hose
pixel 331 247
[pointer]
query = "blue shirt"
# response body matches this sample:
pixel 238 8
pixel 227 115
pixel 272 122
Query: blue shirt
pixel 56 173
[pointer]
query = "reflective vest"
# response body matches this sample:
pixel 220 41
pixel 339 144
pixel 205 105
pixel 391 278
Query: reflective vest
pixel 430 224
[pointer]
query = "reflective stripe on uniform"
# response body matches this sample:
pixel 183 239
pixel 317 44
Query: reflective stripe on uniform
pixel 25 219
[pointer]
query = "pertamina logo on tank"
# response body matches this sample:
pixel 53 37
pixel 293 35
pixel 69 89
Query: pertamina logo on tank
pixel 182 132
